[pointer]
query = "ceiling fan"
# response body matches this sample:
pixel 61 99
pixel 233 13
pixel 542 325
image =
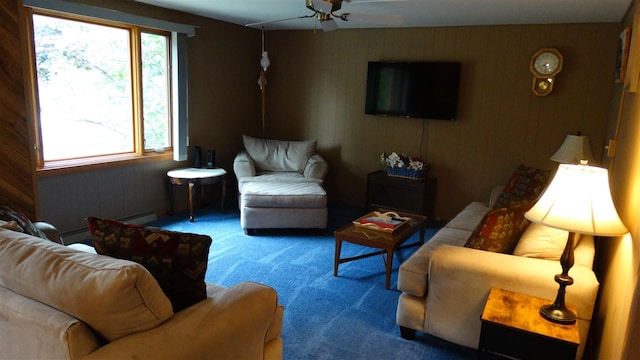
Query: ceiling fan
pixel 324 11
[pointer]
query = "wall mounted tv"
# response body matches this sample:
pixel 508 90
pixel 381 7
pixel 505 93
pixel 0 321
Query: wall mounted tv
pixel 427 90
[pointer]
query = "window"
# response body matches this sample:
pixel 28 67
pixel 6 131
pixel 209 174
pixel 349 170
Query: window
pixel 103 88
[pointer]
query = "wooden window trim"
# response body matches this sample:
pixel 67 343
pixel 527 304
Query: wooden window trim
pixel 140 155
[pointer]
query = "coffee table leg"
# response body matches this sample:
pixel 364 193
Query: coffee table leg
pixel 336 259
pixel 388 264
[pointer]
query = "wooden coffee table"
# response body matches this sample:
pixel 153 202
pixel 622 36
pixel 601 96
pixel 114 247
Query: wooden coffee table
pixel 386 242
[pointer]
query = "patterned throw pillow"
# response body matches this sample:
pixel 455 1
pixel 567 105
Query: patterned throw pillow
pixel 525 185
pixel 499 230
pixel 23 223
pixel 178 261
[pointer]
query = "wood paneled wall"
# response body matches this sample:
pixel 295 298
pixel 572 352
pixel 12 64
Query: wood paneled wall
pixel 317 90
pixel 617 324
pixel 16 170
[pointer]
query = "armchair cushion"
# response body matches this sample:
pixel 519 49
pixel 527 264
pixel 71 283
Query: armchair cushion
pixel 178 261
pixel 279 155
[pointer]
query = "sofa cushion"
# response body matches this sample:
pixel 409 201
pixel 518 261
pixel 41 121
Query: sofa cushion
pixel 543 242
pixel 178 261
pixel 115 297
pixel 499 230
pixel 525 185
pixel 469 217
pixel 279 155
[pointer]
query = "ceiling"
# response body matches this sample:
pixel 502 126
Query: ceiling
pixel 416 13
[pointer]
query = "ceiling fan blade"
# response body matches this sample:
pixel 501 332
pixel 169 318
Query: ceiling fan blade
pixel 328 25
pixel 379 19
pixel 278 20
pixel 322 6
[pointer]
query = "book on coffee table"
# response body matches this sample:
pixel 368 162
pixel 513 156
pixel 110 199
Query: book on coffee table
pixel 386 222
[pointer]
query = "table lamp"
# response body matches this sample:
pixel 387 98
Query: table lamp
pixel 574 149
pixel 577 200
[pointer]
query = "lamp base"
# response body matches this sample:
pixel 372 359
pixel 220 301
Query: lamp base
pixel 557 314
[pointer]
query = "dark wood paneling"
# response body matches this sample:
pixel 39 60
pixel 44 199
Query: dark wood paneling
pixel 16 175
pixel 317 84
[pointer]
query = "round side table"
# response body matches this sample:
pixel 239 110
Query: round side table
pixel 191 176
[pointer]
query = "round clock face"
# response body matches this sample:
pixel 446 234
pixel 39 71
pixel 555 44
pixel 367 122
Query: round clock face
pixel 546 63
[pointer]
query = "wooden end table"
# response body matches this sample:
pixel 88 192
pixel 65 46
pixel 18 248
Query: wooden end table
pixel 191 176
pixel 386 242
pixel 513 328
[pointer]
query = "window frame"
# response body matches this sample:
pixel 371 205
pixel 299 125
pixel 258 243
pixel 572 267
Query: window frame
pixel 139 153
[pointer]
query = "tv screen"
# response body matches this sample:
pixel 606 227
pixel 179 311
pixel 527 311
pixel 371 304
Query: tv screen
pixel 427 90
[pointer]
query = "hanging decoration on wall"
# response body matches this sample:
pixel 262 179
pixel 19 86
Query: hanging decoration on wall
pixel 262 82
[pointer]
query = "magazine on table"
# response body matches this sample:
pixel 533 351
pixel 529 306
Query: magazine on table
pixel 387 222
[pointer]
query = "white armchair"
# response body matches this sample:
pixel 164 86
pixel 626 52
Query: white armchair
pixel 280 184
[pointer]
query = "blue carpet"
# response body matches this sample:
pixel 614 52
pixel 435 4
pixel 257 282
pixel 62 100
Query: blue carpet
pixel 350 316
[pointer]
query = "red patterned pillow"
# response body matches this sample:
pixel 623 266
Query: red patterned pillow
pixel 178 261
pixel 526 184
pixel 499 230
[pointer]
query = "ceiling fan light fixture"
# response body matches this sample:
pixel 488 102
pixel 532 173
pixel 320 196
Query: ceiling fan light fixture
pixel 323 17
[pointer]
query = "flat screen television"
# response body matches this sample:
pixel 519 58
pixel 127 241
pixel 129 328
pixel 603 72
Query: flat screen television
pixel 427 90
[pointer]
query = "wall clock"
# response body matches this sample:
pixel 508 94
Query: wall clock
pixel 546 63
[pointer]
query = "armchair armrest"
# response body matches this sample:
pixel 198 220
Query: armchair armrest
pixel 234 323
pixel 243 165
pixel 49 230
pixel 316 167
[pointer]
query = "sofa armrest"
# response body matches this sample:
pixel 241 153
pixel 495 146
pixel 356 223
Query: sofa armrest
pixel 234 323
pixel 495 193
pixel 243 165
pixel 316 167
pixel 460 279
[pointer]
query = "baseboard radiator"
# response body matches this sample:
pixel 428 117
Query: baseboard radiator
pixel 83 235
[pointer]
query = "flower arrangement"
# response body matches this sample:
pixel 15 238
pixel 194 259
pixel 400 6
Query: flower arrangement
pixel 403 166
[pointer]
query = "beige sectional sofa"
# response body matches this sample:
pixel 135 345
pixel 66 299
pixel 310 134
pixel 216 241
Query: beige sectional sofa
pixel 65 302
pixel 445 284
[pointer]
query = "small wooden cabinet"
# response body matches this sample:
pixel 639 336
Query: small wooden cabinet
pixel 512 328
pixel 394 193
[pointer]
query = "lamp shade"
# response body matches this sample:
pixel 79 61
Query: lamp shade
pixel 578 200
pixel 573 149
